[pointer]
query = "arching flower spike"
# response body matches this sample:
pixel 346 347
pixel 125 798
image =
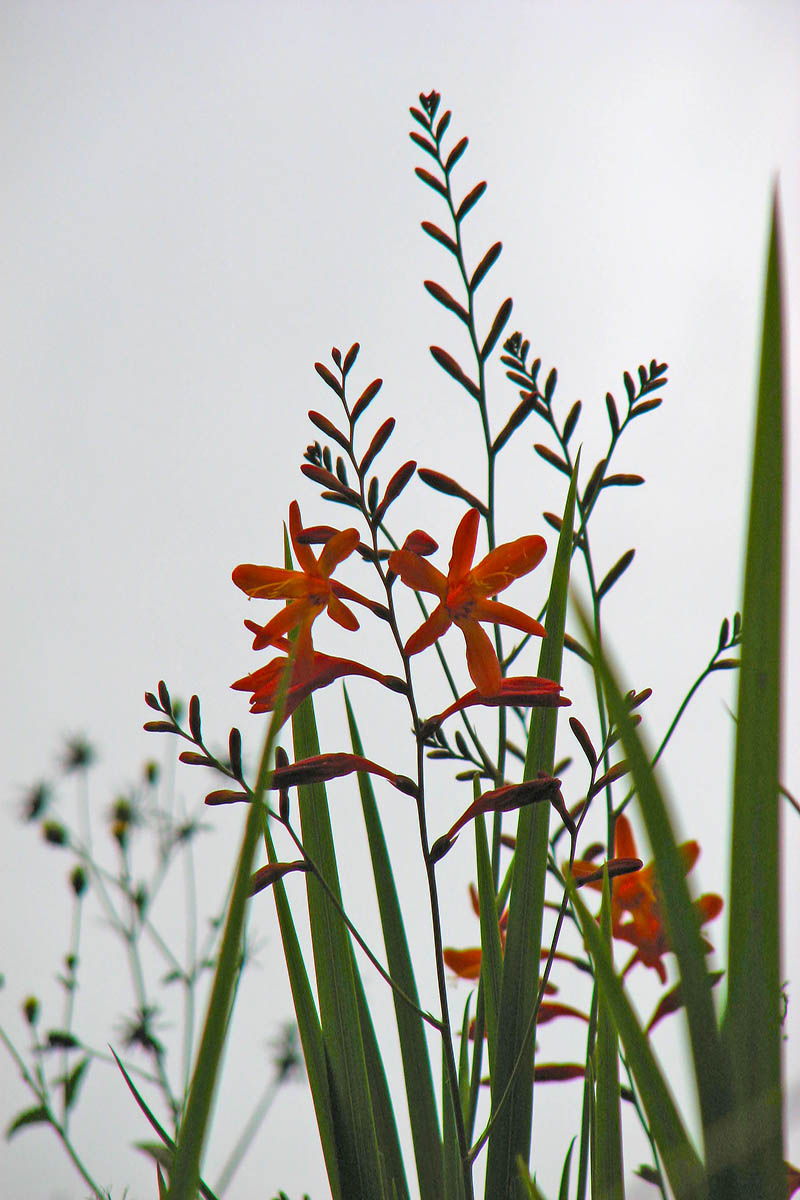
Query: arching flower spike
pixel 464 595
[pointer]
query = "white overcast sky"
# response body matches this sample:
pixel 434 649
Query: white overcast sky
pixel 198 201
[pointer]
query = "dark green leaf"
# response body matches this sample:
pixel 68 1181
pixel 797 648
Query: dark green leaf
pixel 30 1116
pixel 752 1023
pixel 511 1134
pixel 413 1046
pixel 73 1081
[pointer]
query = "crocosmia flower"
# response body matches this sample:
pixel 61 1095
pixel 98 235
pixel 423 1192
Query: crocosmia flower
pixel 637 896
pixel 464 595
pixel 309 591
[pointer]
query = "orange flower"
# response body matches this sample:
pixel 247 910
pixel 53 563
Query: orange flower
pixel 464 595
pixel 309 590
pixel 322 670
pixel 639 895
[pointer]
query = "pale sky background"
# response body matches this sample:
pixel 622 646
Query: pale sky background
pixel 198 201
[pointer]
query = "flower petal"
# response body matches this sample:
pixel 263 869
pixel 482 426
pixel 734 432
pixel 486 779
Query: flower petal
pixel 340 613
pixel 465 963
pixel 466 536
pixel 504 614
pixel 502 566
pixel 482 663
pixel 270 583
pixel 418 574
pixel 288 618
pixel 437 624
pixel 624 843
pixel 708 906
pixel 336 550
pixel 302 552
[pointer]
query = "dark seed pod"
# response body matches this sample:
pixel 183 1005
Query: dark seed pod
pixel 195 727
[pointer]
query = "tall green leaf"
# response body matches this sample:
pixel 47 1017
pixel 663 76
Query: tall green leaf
pixel 511 1134
pixel 491 948
pixel 752 1019
pixel 351 1102
pixel 394 1172
pixel 422 1112
pixel 308 1027
pixel 184 1179
pixel 684 1169
pixel 608 1126
pixel 712 1067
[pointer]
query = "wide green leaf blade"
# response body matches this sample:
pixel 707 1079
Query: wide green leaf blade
pixel 752 1020
pixel 422 1112
pixel 684 1169
pixel 512 1078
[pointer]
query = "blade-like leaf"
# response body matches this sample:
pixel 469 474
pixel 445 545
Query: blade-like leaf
pixel 511 1135
pixel 202 1188
pixel 351 1102
pixel 309 1029
pixel 752 1020
pixel 711 1064
pixel 492 953
pixel 683 1167
pixel 608 1181
pixel 184 1179
pixel 413 1045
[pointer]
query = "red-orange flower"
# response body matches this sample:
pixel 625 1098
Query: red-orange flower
pixel 322 670
pixel 464 595
pixel 638 895
pixel 309 590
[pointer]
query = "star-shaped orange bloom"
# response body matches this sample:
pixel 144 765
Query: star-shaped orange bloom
pixel 638 895
pixel 309 590
pixel 464 595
